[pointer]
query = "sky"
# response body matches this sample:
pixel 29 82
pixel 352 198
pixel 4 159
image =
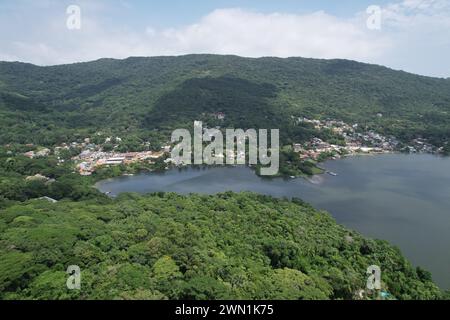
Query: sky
pixel 409 35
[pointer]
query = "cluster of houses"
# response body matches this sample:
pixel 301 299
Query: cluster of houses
pixel 89 161
pixel 370 141
pixel 422 146
pixel 355 142
pixel 336 126
pixel 92 156
pixel 44 152
pixel 313 149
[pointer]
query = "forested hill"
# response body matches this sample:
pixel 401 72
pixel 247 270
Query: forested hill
pixel 167 246
pixel 144 97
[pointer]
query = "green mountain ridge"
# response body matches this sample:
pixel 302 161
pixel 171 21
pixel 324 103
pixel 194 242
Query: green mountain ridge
pixel 167 246
pixel 131 96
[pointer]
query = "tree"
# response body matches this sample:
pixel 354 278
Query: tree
pixel 165 269
pixel 13 267
pixel 289 284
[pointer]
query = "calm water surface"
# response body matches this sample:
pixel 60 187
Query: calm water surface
pixel 404 199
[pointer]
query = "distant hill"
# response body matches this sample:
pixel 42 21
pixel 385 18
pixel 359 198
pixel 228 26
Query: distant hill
pixel 141 96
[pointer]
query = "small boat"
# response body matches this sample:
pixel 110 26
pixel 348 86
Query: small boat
pixel 332 173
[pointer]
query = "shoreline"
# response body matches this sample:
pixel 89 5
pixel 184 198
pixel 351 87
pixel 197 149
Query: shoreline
pixel 319 182
pixel 278 176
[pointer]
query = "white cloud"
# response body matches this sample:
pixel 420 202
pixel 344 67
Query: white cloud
pixel 414 36
pixel 235 31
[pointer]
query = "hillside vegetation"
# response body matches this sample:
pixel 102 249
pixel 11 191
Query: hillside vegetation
pixel 148 97
pixel 167 246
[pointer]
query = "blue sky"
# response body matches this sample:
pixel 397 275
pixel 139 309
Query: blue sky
pixel 179 12
pixel 414 35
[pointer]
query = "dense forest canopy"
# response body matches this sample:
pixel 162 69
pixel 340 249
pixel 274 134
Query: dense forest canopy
pixel 167 246
pixel 49 105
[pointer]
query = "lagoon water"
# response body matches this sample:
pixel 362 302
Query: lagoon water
pixel 404 199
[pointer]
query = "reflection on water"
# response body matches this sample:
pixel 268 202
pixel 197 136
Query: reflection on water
pixel 404 199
